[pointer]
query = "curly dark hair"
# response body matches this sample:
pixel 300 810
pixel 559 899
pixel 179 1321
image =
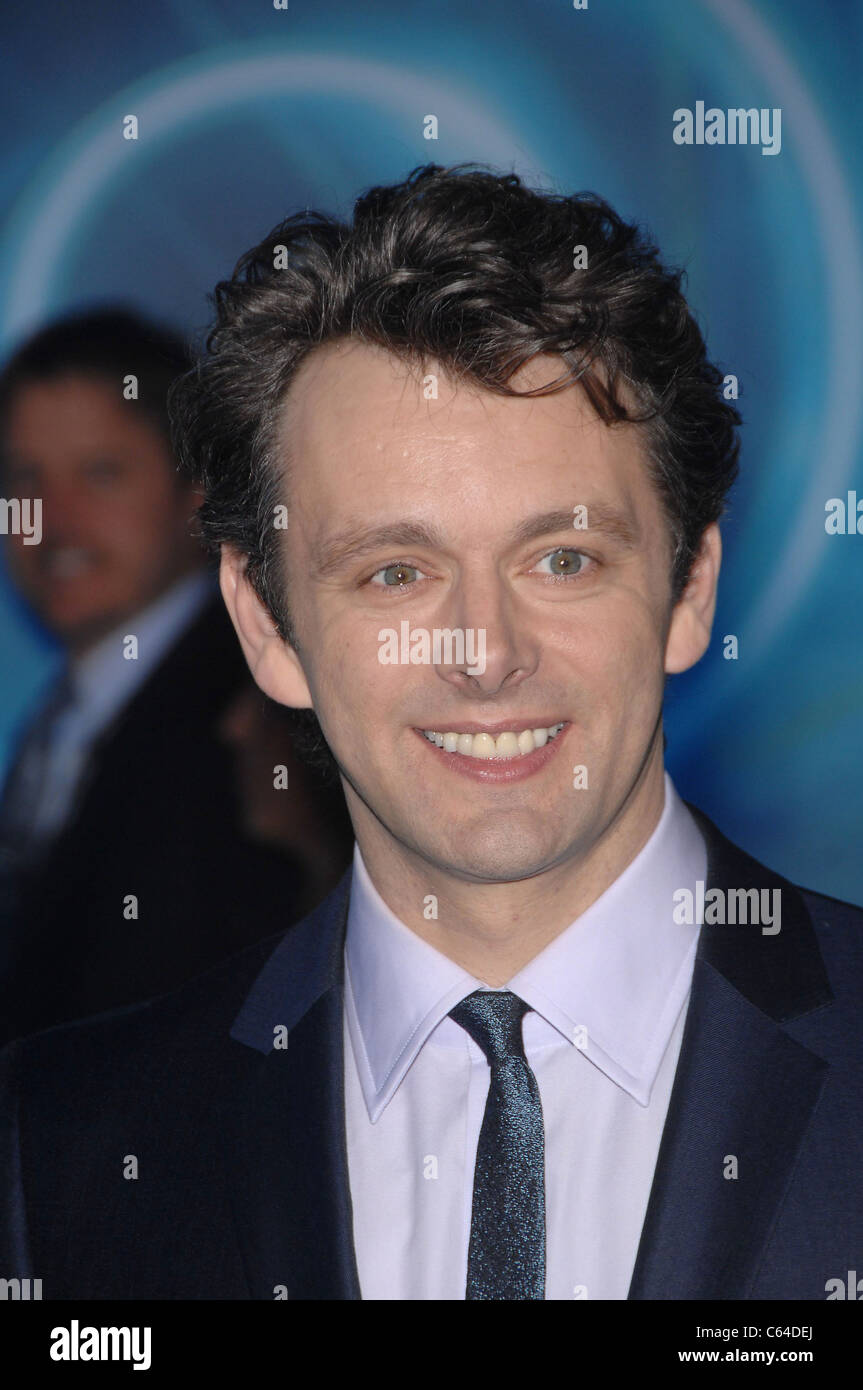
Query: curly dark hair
pixel 476 270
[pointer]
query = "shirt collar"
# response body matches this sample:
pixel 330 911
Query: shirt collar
pixel 103 680
pixel 612 983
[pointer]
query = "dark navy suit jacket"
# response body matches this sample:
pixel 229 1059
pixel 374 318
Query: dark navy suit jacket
pixel 156 815
pixel 242 1185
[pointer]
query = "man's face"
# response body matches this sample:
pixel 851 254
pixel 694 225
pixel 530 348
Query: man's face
pixel 476 470
pixel 115 522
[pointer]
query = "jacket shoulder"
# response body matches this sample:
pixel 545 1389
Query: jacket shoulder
pixel 838 927
pixel 176 1039
pixel 828 911
pixel 137 1047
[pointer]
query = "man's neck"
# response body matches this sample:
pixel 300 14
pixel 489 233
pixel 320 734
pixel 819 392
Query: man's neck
pixel 493 930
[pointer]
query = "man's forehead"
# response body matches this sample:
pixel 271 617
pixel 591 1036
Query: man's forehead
pixel 77 407
pixel 376 394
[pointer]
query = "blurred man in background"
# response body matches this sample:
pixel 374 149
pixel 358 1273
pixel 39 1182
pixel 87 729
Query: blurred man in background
pixel 121 855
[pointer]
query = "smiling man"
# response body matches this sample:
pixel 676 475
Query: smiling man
pixel 497 1063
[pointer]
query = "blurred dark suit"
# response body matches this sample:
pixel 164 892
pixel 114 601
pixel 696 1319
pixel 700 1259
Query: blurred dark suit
pixel 156 816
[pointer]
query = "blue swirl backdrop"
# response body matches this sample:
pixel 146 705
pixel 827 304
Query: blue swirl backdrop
pixel 247 112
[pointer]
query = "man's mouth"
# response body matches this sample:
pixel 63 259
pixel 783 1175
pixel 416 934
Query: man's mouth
pixel 505 744
pixel 66 562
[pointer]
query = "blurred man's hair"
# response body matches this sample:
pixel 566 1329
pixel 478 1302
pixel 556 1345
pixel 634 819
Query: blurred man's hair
pixel 106 344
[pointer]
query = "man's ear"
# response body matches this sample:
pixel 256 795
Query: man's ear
pixel 692 619
pixel 272 661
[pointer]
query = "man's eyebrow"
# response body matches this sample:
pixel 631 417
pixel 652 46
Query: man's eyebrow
pixel 600 516
pixel 350 545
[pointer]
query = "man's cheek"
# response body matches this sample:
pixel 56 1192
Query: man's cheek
pixel 360 694
pixel 631 650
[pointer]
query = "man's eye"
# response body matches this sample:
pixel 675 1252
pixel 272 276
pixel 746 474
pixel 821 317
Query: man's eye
pixel 19 478
pixel 103 470
pixel 564 562
pixel 395 575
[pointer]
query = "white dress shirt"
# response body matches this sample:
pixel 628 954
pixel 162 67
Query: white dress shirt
pixel 609 996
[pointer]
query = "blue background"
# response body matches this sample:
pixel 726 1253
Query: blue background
pixel 247 113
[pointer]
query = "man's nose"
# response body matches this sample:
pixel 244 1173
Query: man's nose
pixel 67 512
pixel 500 649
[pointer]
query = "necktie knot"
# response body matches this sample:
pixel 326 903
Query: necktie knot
pixel 27 789
pixel 493 1019
pixel 62 696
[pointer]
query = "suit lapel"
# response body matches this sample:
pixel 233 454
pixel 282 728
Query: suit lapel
pixel 284 1133
pixel 745 1090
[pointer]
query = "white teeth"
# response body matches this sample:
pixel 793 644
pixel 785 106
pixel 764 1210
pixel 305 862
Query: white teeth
pixel 506 745
pixel 483 746
pixel 525 741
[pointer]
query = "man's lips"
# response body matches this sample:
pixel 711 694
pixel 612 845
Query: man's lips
pixel 66 562
pixel 496 769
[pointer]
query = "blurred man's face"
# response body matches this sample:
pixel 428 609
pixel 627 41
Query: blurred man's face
pixel 477 492
pixel 115 521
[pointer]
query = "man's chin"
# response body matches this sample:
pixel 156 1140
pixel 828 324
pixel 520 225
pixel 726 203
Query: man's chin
pixel 489 856
pixel 80 628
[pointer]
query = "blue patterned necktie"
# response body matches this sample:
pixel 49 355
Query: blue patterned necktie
pixel 506 1256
